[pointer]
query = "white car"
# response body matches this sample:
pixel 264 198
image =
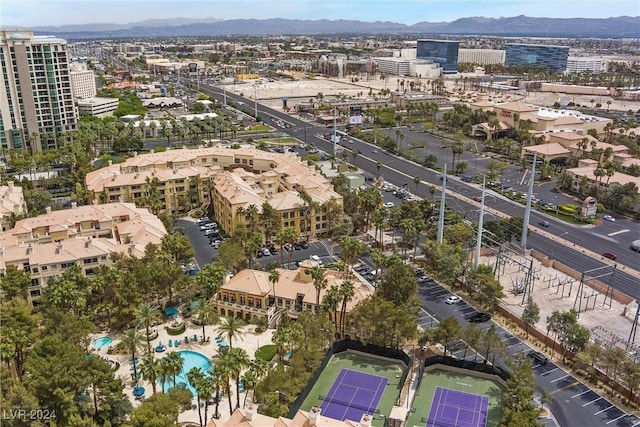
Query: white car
pixel 609 218
pixel 389 204
pixel 453 299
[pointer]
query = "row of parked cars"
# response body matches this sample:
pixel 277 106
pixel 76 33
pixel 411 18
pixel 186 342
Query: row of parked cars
pixel 211 230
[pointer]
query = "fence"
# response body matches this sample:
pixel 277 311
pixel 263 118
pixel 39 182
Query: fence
pixel 344 345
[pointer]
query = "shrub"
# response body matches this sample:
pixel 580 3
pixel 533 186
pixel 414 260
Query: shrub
pixel 266 352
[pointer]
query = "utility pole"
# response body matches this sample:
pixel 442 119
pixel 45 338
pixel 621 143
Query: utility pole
pixel 255 101
pixel 334 130
pixel 443 194
pixel 480 225
pixel 527 209
pixel 224 94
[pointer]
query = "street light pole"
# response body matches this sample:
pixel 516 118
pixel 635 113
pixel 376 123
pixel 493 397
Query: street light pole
pixel 480 225
pixel 527 210
pixel 442 199
pixel 255 101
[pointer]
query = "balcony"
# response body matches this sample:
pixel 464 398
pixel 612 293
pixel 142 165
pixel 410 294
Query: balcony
pixel 244 307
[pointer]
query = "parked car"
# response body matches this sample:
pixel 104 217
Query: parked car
pixel 273 250
pixel 456 346
pixel 538 357
pixel 476 199
pixel 304 244
pixel 453 299
pixel 208 226
pixel 609 218
pixel 266 251
pixel 389 204
pixel 424 279
pixel 203 220
pixel 479 317
pixel 610 255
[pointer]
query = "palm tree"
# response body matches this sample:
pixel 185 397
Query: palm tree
pixel 195 376
pixel 346 292
pixel 258 368
pixel 132 341
pixel 150 370
pixel 230 327
pixel 330 303
pixel 176 363
pixel 319 282
pixel 207 315
pixel 164 371
pixel 147 315
pixel 274 278
pixel 239 360
pixel 220 376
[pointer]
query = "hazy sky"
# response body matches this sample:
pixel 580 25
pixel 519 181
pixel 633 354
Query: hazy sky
pixel 29 13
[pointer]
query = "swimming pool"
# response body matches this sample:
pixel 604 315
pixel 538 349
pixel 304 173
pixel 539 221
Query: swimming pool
pixel 101 342
pixel 192 359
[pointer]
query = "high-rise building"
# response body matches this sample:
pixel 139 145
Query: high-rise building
pixel 582 64
pixel 36 98
pixel 83 81
pixel 552 58
pixel 443 52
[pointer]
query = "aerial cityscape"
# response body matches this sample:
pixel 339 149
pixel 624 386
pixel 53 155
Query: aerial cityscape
pixel 367 213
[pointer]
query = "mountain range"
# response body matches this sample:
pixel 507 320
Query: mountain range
pixel 615 27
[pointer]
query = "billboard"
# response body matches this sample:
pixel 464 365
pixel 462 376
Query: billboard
pixel 193 69
pixel 355 115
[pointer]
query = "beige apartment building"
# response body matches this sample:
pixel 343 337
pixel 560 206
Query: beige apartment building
pixel 12 204
pixel 249 294
pixel 234 179
pixel 85 236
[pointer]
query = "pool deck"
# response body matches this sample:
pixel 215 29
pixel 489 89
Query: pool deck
pixel 250 341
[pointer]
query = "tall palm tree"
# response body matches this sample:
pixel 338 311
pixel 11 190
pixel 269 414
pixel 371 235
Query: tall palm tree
pixel 164 371
pixel 346 292
pixel 220 376
pixel 132 341
pixel 319 282
pixel 258 368
pixel 150 370
pixel 224 371
pixel 230 328
pixel 147 315
pixel 195 376
pixel 330 303
pixel 207 315
pixel 176 363
pixel 239 360
pixel 274 278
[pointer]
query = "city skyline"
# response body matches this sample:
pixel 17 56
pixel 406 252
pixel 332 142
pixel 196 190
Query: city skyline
pixel 35 13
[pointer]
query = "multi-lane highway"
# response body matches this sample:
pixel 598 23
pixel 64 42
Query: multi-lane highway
pixel 399 171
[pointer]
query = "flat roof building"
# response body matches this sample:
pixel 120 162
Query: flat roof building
pixel 552 58
pixel 442 52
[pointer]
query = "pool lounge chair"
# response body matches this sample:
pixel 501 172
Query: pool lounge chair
pixel 170 343
pixel 195 338
pixel 186 340
pixel 176 343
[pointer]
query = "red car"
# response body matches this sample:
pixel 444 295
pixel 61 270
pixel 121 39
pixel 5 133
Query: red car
pixel 610 255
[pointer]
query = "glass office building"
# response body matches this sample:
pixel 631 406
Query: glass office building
pixel 552 58
pixel 442 52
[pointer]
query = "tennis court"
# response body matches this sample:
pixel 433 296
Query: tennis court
pixel 452 399
pixel 353 384
pixel 457 408
pixel 352 395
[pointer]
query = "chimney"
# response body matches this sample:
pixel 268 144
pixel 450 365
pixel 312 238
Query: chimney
pixel 314 416
pixel 365 421
pixel 29 249
pixel 48 209
pixel 131 247
pixel 88 242
pixel 74 205
pixel 58 247
pixel 110 162
pixel 250 410
pixel 135 153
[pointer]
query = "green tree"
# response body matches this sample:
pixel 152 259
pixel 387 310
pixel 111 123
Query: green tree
pixel 132 340
pixel 518 397
pixel 206 315
pixel 15 282
pixel 161 410
pixel 147 315
pixel 319 283
pixel 448 331
pixel 175 363
pixel 530 315
pixel 399 285
pixel 196 378
pixel 472 335
pixel 274 278
pixel 231 255
pixel 150 370
pixel 231 328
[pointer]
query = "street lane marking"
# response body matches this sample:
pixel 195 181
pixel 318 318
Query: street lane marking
pixel 548 372
pixel 589 403
pixel 568 386
pixel 558 379
pixel 580 394
pixel 616 419
pixel 618 232
pixel 604 410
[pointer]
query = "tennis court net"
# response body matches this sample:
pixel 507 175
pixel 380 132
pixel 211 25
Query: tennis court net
pixel 369 409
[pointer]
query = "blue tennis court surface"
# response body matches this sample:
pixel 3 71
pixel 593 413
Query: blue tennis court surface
pixel 452 408
pixel 352 395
